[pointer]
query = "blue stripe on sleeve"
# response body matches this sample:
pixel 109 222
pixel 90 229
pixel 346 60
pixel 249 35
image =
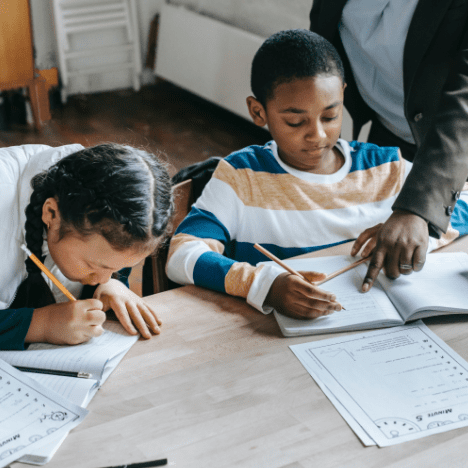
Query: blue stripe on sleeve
pixel 205 225
pixel 459 220
pixel 367 155
pixel 210 271
pixel 257 158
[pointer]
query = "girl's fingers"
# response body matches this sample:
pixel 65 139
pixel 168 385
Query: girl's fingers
pixel 153 313
pixel 149 318
pixel 121 312
pixel 138 320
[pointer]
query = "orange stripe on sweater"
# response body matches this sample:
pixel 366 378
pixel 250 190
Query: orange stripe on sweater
pixel 286 192
pixel 239 279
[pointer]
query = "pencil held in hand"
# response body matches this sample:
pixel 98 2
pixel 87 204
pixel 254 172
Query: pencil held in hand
pixel 286 267
pixel 54 280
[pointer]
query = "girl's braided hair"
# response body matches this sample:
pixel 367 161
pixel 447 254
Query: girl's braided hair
pixel 119 192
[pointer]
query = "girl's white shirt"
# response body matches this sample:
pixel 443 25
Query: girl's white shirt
pixel 18 165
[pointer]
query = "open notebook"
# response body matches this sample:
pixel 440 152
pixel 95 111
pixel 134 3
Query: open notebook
pixel 441 288
pixel 99 357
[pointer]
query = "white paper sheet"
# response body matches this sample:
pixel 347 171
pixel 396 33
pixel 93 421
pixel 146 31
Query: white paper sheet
pixel 30 414
pixel 398 384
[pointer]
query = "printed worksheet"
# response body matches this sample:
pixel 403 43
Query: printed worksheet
pixel 30 414
pixel 397 385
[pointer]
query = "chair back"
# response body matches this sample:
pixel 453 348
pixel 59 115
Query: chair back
pixel 154 269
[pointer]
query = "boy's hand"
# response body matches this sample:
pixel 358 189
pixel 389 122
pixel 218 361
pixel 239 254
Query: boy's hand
pixel 400 247
pixel 67 323
pixel 292 296
pixel 131 310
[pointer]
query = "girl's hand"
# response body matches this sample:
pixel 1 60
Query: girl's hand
pixel 367 238
pixel 131 310
pixel 67 323
pixel 292 296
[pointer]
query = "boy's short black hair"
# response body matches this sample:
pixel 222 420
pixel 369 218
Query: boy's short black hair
pixel 292 54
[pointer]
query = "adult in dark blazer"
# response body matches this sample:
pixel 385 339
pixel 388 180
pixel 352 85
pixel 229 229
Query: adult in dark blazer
pixel 435 84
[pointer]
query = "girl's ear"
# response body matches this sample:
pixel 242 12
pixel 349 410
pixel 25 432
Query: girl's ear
pixel 256 111
pixel 51 214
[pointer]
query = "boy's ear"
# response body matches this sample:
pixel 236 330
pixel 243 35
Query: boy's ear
pixel 256 111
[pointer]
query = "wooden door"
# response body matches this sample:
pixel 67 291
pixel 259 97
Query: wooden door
pixel 16 49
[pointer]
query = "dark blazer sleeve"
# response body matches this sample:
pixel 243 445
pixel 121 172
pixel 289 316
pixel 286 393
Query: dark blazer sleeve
pixel 441 163
pixel 14 326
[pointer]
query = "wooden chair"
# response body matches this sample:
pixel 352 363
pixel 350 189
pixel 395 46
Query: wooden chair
pixel 154 269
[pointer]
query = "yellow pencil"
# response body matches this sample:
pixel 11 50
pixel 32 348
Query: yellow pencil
pixel 294 272
pixel 49 274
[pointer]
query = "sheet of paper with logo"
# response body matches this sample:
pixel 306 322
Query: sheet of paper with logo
pixel 396 385
pixel 30 414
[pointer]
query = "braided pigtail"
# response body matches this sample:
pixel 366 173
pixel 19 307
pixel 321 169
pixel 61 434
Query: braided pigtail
pixel 34 291
pixel 121 193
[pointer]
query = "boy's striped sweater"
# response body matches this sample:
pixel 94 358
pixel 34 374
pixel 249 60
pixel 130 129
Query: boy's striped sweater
pixel 254 197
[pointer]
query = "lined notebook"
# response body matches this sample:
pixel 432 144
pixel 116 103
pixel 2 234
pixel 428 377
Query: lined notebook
pixel 439 289
pixel 98 357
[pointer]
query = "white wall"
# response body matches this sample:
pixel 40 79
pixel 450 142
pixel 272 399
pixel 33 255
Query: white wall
pixel 261 17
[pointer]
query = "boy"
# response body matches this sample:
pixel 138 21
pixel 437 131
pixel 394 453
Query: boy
pixel 305 190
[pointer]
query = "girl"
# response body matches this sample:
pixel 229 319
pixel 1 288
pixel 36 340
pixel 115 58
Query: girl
pixel 91 213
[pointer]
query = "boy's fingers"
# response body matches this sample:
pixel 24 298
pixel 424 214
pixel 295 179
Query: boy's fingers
pixel 313 276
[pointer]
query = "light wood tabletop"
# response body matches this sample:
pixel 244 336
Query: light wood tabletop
pixel 220 388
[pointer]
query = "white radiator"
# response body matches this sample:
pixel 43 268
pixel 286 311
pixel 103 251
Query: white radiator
pixel 206 57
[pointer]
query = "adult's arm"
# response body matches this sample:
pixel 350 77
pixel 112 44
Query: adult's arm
pixel 427 199
pixel 440 166
pixel 14 326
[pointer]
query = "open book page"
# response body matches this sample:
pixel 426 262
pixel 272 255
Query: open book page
pixel 439 288
pixel 369 310
pixel 30 414
pixel 91 356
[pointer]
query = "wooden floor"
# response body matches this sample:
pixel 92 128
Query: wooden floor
pixel 159 117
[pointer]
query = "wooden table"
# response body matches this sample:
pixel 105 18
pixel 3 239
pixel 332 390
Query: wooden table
pixel 220 388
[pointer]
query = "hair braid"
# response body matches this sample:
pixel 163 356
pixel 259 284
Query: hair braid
pixel 119 192
pixel 34 291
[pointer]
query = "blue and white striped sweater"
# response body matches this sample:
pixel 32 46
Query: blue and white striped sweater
pixel 254 197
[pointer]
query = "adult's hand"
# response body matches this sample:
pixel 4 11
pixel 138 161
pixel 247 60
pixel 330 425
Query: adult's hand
pixel 400 247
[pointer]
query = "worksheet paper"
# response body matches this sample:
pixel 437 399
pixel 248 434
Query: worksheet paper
pixel 30 414
pixel 99 356
pixel 394 385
